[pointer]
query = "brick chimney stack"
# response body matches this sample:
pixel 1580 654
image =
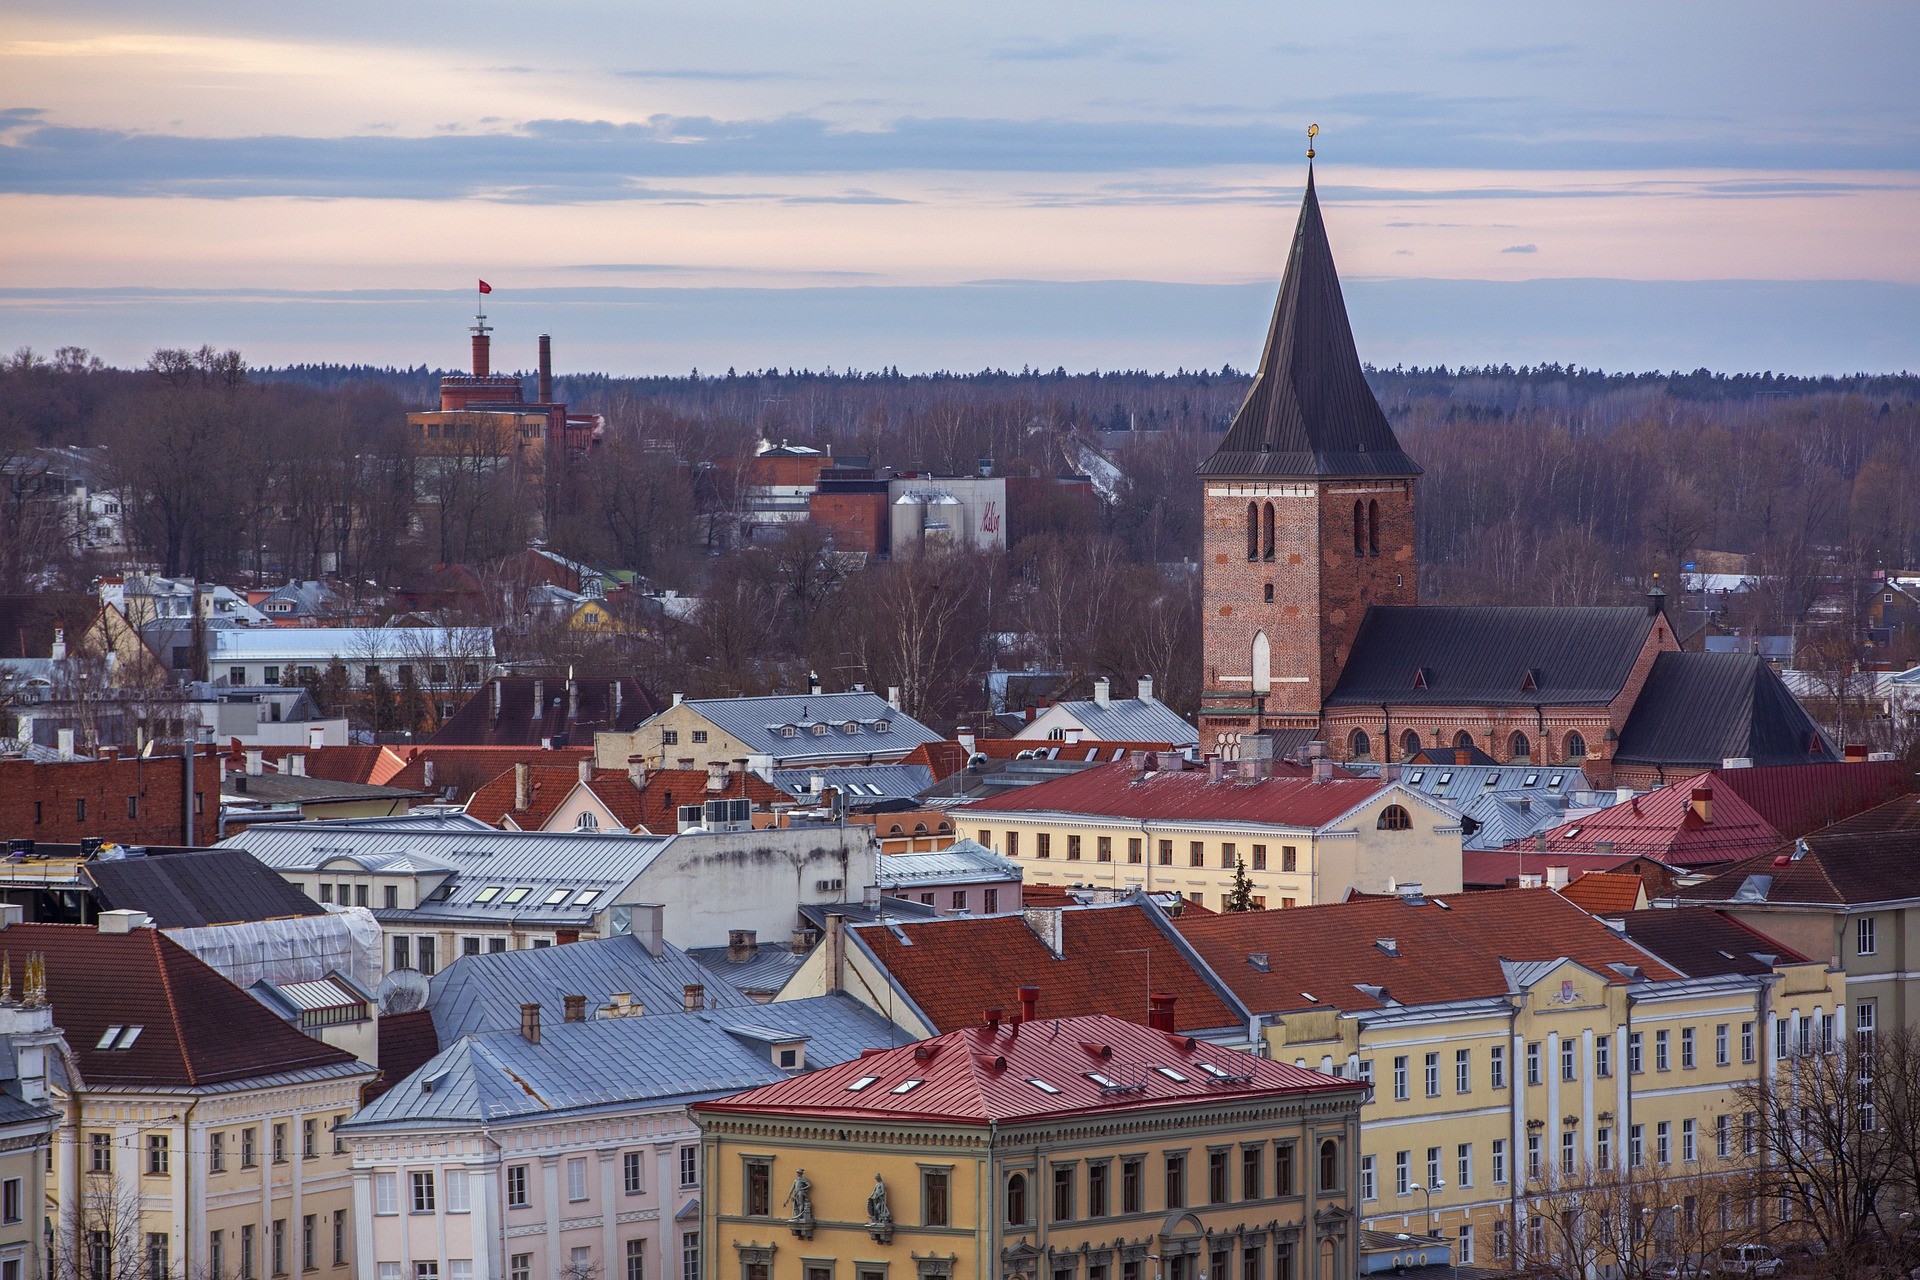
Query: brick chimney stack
pixel 482 355
pixel 546 369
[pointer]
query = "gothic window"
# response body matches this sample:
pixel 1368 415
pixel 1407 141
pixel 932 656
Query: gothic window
pixel 1409 744
pixel 1266 532
pixel 1359 528
pixel 1253 531
pixel 1519 748
pixel 1463 739
pixel 1362 745
pixel 1395 818
pixel 1373 528
pixel 1576 747
pixel 1262 663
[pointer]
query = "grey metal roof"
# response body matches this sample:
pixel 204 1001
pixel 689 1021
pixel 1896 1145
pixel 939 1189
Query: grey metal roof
pixel 658 1059
pixel 193 889
pixel 764 970
pixel 759 723
pixel 1506 802
pixel 962 862
pixel 1310 411
pixel 1467 655
pixel 488 868
pixel 1697 709
pixel 859 784
pixel 1131 720
pixel 292 788
pixel 484 993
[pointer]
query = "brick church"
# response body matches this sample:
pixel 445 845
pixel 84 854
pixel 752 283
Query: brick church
pixel 1312 623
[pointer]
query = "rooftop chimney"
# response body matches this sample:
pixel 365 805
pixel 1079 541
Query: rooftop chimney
pixel 741 945
pixel 546 369
pixel 316 738
pixel 586 769
pixel 539 699
pixel 530 1023
pixel 1146 688
pixel 1701 802
pixel 893 696
pixel 1216 768
pixel 613 693
pixel 59 649
pixel 1102 692
pixel 65 739
pixel 1463 755
pixel 522 786
pixel 256 760
pixel 1557 877
pixel 576 1007
pixel 1073 736
pixel 1029 1003
pixel 650 927
pixel 573 699
pixel 297 763
pixel 716 775
pixel 426 774
pixel 964 736
pixel 496 699
pixel 1322 769
pixel 813 683
pixel 637 771
pixel 693 997
pixel 123 921
pixel 1160 1011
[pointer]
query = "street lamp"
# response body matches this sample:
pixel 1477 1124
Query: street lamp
pixel 1439 1184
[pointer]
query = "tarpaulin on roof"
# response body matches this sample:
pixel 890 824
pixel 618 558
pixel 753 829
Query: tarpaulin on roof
pixel 298 950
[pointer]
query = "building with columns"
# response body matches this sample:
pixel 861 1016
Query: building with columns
pixel 1311 614
pixel 1522 1052
pixel 195 1128
pixel 565 1150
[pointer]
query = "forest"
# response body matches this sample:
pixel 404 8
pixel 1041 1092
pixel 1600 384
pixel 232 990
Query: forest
pixel 1548 485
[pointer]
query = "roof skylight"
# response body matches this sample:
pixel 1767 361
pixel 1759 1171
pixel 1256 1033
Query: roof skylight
pixel 906 1086
pixel 1042 1085
pixel 1171 1074
pixel 487 894
pixel 557 897
pixel 107 1039
pixel 862 1083
pixel 517 894
pixel 585 896
pixel 1104 1081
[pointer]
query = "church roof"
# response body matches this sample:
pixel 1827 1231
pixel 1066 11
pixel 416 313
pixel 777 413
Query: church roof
pixel 1491 656
pixel 1702 708
pixel 1310 411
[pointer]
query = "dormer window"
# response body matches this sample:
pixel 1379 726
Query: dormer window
pixel 821 730
pixel 850 727
pixel 788 731
pixel 883 726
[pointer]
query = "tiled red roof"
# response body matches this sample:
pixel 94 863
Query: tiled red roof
pixel 1663 824
pixel 467 769
pixel 653 807
pixel 983 1075
pixel 1800 798
pixel 407 1042
pixel 197 1027
pixel 1604 893
pixel 954 968
pixel 1448 948
pixel 1117 791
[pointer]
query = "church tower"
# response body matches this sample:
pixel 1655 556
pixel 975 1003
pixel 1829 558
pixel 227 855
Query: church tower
pixel 1307 510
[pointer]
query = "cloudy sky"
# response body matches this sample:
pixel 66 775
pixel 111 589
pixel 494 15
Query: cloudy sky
pixel 1719 182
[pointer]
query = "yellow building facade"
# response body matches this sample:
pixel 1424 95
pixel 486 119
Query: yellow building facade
pixel 1301 842
pixel 1079 1149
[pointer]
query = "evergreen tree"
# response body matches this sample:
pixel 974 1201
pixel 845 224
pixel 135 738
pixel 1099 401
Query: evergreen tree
pixel 1240 897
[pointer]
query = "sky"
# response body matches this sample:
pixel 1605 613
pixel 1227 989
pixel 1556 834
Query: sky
pixel 1724 183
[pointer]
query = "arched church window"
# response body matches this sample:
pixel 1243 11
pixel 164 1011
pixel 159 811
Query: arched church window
pixel 1409 745
pixel 1262 663
pixel 1253 531
pixel 1373 528
pixel 1361 744
pixel 1266 531
pixel 1518 748
pixel 1576 747
pixel 1463 739
pixel 1359 528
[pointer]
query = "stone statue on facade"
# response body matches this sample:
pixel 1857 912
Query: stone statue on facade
pixel 879 1214
pixel 800 1196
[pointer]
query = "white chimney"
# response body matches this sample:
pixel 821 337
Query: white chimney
pixel 679 698
pixel 1146 688
pixel 124 921
pixel 716 775
pixel 316 738
pixel 426 774
pixel 1556 877
pixel 59 643
pixel 65 739
pixel 522 786
pixel 256 761
pixel 1622 794
pixel 1102 691
pixel 893 696
pixel 1073 736
pixel 964 736
pixel 637 770
pixel 586 769
pixel 297 763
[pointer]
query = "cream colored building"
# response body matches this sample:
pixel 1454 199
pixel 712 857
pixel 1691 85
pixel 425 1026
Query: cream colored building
pixel 1161 824
pixel 784 731
pixel 195 1128
pixel 1516 1046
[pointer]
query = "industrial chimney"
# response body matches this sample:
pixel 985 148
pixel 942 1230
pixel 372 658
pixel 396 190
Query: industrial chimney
pixel 546 369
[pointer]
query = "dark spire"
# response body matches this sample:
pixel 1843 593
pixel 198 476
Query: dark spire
pixel 1310 412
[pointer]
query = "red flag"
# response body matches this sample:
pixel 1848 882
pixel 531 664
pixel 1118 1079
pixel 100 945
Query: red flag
pixel 485 287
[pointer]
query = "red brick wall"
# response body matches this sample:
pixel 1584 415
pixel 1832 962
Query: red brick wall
pixel 1321 591
pixel 858 520
pixel 43 801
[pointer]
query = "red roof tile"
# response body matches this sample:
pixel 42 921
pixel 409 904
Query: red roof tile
pixel 371 766
pixel 1663 824
pixel 1499 868
pixel 1603 893
pixel 1168 795
pixel 467 769
pixel 197 1027
pixel 1447 948
pixel 955 968
pixel 654 807
pixel 547 789
pixel 983 1075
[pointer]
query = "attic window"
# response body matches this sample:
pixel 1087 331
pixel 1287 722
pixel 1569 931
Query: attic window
pixel 487 894
pixel 788 731
pixel 1105 1082
pixel 862 1083
pixel 119 1037
pixel 518 894
pixel 850 727
pixel 883 726
pixel 1042 1085
pixel 1530 780
pixel 112 1034
pixel 1416 775
pixel 821 730
pixel 1445 778
pixel 1171 1074
pixel 557 897
pixel 585 896
pixel 906 1086
pixel 1528 682
pixel 1554 780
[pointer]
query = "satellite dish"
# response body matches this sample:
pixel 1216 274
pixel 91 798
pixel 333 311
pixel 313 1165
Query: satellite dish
pixel 403 991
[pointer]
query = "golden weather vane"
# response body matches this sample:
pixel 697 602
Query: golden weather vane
pixel 1313 131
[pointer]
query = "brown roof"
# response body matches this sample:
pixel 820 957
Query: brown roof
pixel 27 623
pixel 1605 893
pixel 1443 948
pixel 948 758
pixel 1800 798
pixel 954 968
pixel 548 787
pixel 1840 866
pixel 519 723
pixel 466 769
pixel 983 1075
pixel 1704 943
pixel 197 1028
pixel 407 1042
